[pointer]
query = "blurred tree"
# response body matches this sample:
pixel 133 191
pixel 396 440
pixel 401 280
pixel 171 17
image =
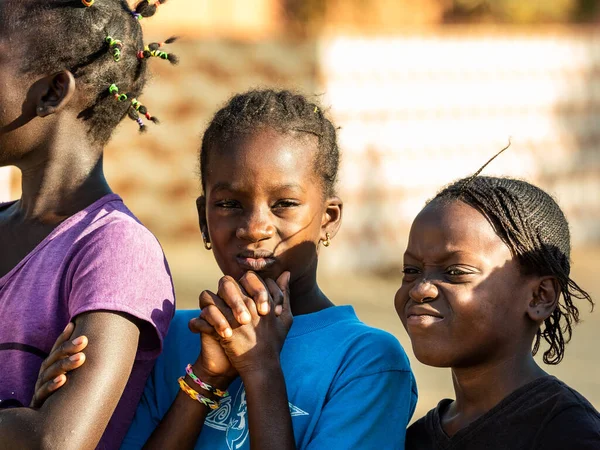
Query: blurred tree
pixel 309 16
pixel 520 11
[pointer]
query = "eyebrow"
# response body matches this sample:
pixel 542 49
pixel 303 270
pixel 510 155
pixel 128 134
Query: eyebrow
pixel 446 256
pixel 228 186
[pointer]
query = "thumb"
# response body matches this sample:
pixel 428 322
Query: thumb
pixel 284 284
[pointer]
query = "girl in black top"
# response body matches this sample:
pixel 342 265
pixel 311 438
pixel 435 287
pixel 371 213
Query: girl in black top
pixel 486 280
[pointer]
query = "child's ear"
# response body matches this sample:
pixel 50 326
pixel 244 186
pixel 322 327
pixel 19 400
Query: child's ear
pixel 544 300
pixel 332 217
pixel 57 92
pixel 201 207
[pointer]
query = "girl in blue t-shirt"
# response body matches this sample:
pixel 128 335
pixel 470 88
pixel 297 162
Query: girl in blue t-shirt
pixel 486 280
pixel 269 163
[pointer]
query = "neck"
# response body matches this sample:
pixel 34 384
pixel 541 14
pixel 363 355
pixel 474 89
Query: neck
pixel 305 295
pixel 61 181
pixel 479 389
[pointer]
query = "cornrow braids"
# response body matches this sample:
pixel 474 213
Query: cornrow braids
pixel 536 231
pixel 285 112
pixel 81 36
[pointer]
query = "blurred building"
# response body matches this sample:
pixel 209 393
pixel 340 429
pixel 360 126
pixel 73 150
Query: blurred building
pixel 419 105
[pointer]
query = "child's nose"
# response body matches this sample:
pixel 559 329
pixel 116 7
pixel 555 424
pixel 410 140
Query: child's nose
pixel 423 291
pixel 256 228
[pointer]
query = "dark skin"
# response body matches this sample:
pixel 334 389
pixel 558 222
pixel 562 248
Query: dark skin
pixel 274 216
pixel 62 174
pixel 466 304
pixel 265 210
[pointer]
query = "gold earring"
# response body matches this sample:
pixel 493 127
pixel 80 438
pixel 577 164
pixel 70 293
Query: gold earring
pixel 207 245
pixel 327 241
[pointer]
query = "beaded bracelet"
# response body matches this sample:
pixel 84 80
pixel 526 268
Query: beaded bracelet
pixel 196 396
pixel 203 385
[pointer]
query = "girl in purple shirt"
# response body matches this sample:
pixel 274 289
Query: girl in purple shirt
pixel 70 249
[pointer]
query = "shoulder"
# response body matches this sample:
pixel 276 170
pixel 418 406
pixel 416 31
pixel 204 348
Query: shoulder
pixel 572 411
pixel 112 225
pixel 372 348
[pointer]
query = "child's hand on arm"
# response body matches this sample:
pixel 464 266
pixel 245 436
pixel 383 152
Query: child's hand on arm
pixel 65 356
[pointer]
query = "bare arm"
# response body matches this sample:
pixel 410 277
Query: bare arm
pixel 267 398
pixel 76 415
pixel 183 422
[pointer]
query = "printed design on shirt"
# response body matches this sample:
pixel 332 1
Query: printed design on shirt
pixel 232 418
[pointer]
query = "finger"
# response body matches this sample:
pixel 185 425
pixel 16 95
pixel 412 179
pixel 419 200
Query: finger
pixel 61 339
pixel 62 367
pixel 64 350
pixel 284 284
pixel 256 288
pixel 44 391
pixel 200 326
pixel 276 295
pixel 231 293
pixel 64 336
pixel 216 319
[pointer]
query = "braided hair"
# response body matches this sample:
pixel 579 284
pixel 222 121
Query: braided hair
pixel 98 42
pixel 285 112
pixel 536 231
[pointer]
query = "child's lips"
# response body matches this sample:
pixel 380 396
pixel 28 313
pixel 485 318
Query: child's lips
pixel 422 320
pixel 422 316
pixel 256 264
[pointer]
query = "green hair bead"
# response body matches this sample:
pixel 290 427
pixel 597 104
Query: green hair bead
pixel 115 46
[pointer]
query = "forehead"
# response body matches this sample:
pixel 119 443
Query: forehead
pixel 454 227
pixel 263 158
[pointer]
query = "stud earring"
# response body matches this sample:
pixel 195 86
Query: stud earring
pixel 207 244
pixel 327 241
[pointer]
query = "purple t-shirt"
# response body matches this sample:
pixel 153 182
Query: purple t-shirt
pixel 101 258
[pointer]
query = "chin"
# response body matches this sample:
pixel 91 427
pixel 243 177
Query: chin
pixel 431 356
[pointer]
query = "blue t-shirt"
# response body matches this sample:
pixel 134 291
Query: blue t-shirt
pixel 349 386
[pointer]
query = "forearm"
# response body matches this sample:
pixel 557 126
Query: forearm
pixel 183 422
pixel 268 410
pixel 21 428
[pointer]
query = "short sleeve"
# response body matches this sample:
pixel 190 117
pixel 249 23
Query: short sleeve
pixel 576 427
pixel 372 404
pixel 121 267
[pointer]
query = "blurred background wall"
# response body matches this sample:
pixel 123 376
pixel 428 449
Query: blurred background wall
pixel 424 92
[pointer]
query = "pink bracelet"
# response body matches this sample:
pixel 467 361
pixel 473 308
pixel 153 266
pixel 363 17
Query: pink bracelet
pixel 203 385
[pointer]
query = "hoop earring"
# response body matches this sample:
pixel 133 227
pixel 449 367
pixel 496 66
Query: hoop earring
pixel 327 241
pixel 207 245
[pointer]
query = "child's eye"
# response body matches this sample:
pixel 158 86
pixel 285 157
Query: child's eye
pixel 456 272
pixel 286 204
pixel 227 204
pixel 410 273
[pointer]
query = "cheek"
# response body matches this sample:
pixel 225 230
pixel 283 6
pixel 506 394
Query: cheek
pixel 400 300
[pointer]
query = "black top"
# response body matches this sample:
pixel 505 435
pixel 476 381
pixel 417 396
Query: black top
pixel 545 414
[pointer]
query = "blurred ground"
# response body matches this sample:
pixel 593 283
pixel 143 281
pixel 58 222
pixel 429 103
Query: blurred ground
pixel 194 270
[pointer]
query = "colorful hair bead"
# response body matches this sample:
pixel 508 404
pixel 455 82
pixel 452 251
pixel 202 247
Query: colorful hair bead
pixel 115 46
pixel 152 51
pixel 146 9
pixel 196 396
pixel 203 385
pixel 114 90
pixel 137 106
pixel 87 3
